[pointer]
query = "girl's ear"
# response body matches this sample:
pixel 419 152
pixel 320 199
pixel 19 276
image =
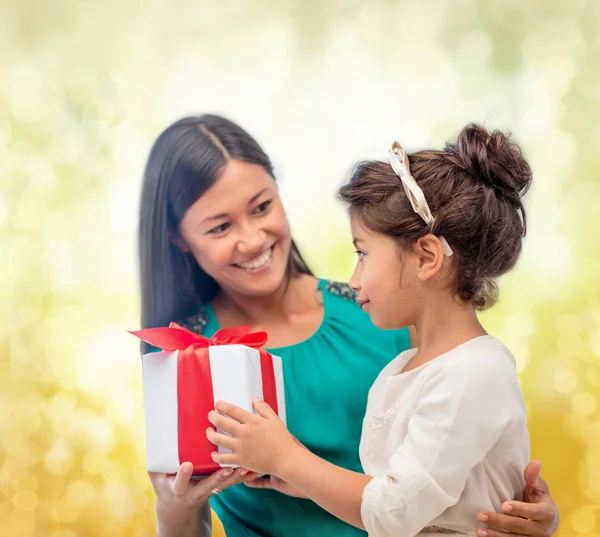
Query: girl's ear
pixel 179 242
pixel 430 253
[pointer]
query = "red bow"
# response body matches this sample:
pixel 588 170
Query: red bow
pixel 178 338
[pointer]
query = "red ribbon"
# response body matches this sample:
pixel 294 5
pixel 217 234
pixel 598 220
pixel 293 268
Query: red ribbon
pixel 195 398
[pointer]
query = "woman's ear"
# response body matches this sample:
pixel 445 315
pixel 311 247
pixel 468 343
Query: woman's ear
pixel 179 242
pixel 430 254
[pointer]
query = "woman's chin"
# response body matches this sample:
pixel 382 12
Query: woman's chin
pixel 256 284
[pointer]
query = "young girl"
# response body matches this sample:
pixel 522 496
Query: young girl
pixel 445 433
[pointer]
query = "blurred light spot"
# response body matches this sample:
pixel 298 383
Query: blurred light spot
pixel 140 501
pixel 28 422
pixel 111 530
pixel 41 174
pixel 65 512
pixel 93 463
pixel 583 521
pixel 65 147
pixel 63 533
pixel 96 364
pixel 25 500
pixel 592 478
pixel 25 86
pixel 126 410
pixel 568 324
pixel 28 482
pixel 64 264
pixel 101 435
pixel 80 493
pixel 574 425
pixel 120 497
pixel 520 324
pixel 564 381
pixel 592 374
pixel 521 353
pixel 551 254
pixel 594 344
pixel 584 404
pixel 124 195
pixel 21 524
pixel 570 345
pixel 30 453
pixel 476 47
pixel 59 458
pixel 3 209
pixel 12 471
pixel 61 405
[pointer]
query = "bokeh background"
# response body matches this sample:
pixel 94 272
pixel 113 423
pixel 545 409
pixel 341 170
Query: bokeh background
pixel 86 87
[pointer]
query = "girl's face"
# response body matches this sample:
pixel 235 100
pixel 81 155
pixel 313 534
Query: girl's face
pixel 238 231
pixel 386 283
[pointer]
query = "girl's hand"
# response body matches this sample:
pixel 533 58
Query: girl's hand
pixel 261 443
pixel 537 516
pixel 274 483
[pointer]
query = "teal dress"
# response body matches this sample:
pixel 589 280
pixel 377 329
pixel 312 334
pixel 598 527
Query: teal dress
pixel 327 379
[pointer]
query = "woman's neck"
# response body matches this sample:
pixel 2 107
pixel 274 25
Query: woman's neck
pixel 444 325
pixel 294 296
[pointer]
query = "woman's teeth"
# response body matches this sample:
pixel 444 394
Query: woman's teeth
pixel 257 262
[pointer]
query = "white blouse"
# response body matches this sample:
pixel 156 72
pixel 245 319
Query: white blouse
pixel 443 441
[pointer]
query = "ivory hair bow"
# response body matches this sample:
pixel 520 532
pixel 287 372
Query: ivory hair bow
pixel 400 165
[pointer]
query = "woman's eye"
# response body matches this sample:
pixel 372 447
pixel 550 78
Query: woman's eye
pixel 219 229
pixel 262 207
pixel 360 254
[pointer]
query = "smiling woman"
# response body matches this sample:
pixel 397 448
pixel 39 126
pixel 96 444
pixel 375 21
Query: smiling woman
pixel 187 209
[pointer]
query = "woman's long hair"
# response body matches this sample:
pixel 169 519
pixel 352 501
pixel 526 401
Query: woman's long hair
pixel 185 161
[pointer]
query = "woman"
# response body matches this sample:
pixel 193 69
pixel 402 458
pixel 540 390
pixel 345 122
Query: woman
pixel 216 251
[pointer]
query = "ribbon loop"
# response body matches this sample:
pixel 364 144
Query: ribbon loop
pixel 177 338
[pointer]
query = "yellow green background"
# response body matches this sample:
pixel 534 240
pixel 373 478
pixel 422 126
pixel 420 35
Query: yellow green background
pixel 86 87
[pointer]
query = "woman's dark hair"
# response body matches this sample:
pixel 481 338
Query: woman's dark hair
pixel 474 189
pixel 185 161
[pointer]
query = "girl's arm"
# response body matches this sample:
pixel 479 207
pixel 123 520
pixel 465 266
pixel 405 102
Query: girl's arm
pixel 337 490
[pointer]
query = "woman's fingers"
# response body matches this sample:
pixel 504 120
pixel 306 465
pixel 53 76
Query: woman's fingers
pixel 182 479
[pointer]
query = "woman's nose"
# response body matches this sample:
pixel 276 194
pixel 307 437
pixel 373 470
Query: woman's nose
pixel 252 240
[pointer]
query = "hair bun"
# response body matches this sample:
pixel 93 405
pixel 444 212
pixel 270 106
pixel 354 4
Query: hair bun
pixel 494 159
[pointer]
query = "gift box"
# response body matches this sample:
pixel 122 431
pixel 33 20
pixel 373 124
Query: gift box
pixel 183 381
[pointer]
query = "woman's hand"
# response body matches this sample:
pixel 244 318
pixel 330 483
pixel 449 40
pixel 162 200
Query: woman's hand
pixel 181 502
pixel 536 516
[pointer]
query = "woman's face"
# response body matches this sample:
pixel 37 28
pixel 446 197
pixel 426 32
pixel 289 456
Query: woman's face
pixel 238 231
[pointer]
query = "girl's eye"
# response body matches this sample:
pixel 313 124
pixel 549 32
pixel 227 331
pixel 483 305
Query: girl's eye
pixel 360 254
pixel 219 229
pixel 262 207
